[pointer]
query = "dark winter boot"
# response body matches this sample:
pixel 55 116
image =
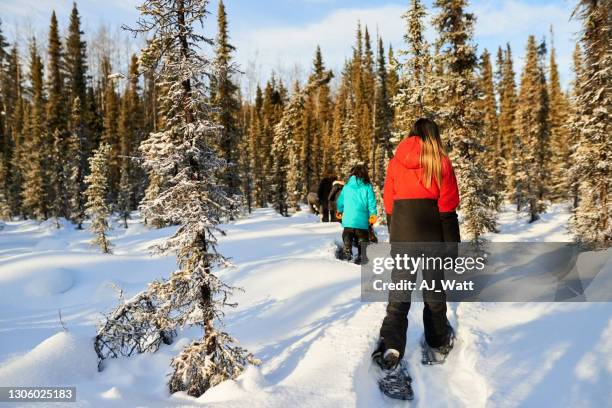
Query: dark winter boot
pixel 386 359
pixel 437 355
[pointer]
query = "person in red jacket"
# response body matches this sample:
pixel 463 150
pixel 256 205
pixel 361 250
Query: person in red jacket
pixel 420 197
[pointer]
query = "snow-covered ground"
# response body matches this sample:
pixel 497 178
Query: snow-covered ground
pixel 300 314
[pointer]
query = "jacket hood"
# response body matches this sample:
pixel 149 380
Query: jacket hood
pixel 355 181
pixel 408 152
pixel 335 183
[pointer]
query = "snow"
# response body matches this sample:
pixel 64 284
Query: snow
pixel 300 314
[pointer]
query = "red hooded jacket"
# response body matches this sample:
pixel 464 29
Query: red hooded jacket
pixel 404 175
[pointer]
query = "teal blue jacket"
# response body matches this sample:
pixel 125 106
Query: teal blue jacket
pixel 357 203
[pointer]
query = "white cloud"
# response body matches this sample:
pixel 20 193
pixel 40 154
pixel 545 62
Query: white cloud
pixel 498 22
pixel 284 46
pixel 513 21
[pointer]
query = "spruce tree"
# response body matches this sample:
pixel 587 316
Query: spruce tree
pixel 320 106
pixel 381 144
pixel 225 98
pixel 136 127
pixel 76 58
pixel 559 135
pixel 392 77
pixel 19 130
pixel 56 115
pixel 272 108
pixel 97 207
pixel 338 141
pixel 55 130
pixel 592 218
pixel 287 150
pixel 34 191
pixel 493 159
pixel 316 147
pixel 11 122
pixel 571 128
pixel 124 192
pixel 193 196
pixel 350 137
pixel 110 133
pixel 6 147
pixel 3 48
pixel 309 152
pixel 74 166
pixel 258 149
pixel 507 122
pixel 532 134
pixel 365 108
pixel 245 159
pixel 5 211
pixel 460 117
pixel 410 102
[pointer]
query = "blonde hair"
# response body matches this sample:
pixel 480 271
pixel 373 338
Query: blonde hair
pixel 432 150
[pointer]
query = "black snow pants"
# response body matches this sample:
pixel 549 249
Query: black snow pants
pixel 325 211
pixel 418 220
pixel 350 235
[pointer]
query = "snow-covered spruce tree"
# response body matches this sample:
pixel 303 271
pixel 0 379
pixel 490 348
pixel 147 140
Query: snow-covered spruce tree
pixel 533 133
pixel 592 158
pixel 460 117
pixel 274 100
pixel 285 152
pixel 125 189
pixel 392 77
pixel 255 141
pixel 245 159
pixel 350 134
pixel 194 197
pixel 56 155
pixel 225 99
pixel 74 166
pixel 96 208
pixel 413 87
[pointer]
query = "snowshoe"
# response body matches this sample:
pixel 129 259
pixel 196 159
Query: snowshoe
pixel 437 355
pixel 397 383
pixel 387 359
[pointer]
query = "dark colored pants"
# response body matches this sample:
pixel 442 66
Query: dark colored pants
pixel 413 221
pixel 395 323
pixel 350 235
pixel 325 212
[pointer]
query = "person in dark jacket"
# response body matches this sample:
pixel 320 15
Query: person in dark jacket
pixel 420 197
pixel 337 186
pixel 325 187
pixel 357 210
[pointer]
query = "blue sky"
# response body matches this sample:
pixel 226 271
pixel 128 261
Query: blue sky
pixel 281 35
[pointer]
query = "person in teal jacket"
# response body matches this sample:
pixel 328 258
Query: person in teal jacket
pixel 357 209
